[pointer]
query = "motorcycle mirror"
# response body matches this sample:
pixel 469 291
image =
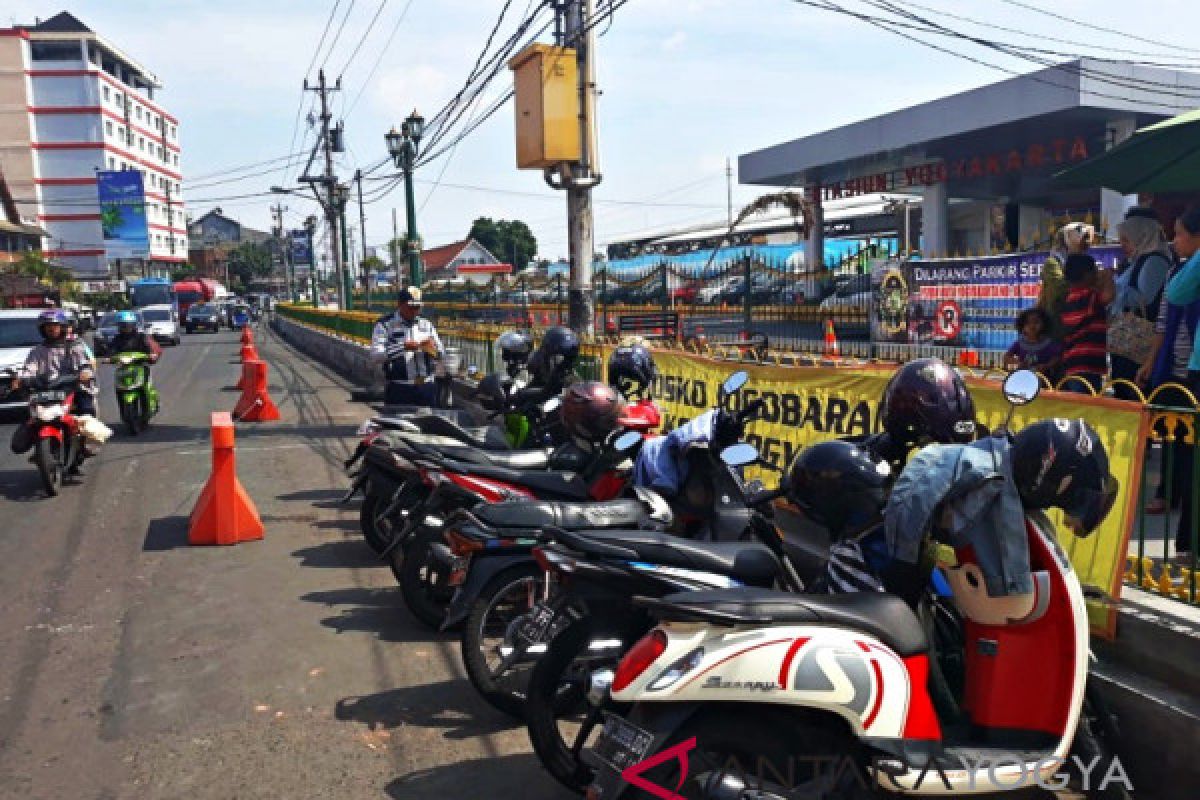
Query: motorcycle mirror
pixel 740 454
pixel 627 441
pixel 734 382
pixel 1022 387
pixel 551 405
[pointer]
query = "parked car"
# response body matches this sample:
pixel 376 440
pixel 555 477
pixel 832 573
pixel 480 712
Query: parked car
pixel 161 323
pixel 18 335
pixel 203 316
pixel 107 329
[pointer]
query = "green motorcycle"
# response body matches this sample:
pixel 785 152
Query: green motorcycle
pixel 136 396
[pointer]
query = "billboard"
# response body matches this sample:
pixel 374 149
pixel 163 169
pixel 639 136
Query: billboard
pixel 960 302
pixel 123 214
pixel 301 248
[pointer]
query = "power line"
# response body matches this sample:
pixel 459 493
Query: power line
pixel 379 59
pixel 308 69
pixel 1083 24
pixel 338 35
pixel 362 39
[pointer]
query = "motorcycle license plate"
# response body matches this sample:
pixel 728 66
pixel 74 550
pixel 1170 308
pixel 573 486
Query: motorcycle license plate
pixel 622 744
pixel 48 397
pixel 537 623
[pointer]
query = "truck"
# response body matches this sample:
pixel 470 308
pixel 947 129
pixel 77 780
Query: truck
pixel 196 290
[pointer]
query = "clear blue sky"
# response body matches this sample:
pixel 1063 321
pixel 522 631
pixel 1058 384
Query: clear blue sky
pixel 686 83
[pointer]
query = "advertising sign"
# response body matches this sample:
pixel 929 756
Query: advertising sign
pixel 122 199
pixel 960 302
pixel 301 248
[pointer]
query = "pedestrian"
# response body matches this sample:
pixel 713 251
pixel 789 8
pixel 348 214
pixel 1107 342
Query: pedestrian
pixel 1139 289
pixel 1034 349
pixel 409 347
pixel 1074 237
pixel 1084 316
pixel 1183 290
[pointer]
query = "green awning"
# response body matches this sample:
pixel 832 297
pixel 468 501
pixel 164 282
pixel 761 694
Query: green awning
pixel 1164 157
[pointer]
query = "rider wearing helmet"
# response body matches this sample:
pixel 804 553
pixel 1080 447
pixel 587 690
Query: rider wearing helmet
pixel 591 410
pixel 514 348
pixel 57 355
pixel 130 340
pixel 1061 463
pixel 631 370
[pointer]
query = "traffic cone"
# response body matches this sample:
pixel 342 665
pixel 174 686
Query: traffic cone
pixel 247 335
pixel 831 342
pixel 255 404
pixel 249 353
pixel 224 513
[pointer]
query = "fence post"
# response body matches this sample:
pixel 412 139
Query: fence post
pixel 604 300
pixel 747 305
pixel 665 302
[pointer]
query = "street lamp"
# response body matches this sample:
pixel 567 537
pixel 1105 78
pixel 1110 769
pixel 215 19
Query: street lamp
pixel 402 147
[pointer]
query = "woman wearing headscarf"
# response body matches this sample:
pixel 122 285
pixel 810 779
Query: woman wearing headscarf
pixel 1140 286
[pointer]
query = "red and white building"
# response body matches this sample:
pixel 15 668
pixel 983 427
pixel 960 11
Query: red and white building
pixel 467 260
pixel 71 104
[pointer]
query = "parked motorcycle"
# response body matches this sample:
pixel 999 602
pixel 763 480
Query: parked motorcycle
pixel 137 398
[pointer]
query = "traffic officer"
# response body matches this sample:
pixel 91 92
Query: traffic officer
pixel 409 346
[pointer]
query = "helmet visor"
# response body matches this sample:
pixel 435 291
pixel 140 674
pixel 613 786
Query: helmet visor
pixel 1085 509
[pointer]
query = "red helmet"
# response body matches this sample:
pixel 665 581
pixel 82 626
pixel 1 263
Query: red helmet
pixel 926 401
pixel 591 410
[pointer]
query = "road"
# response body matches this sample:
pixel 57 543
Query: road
pixel 134 666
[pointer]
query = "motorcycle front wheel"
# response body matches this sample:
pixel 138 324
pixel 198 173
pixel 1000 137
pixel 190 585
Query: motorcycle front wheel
pixel 48 458
pixel 422 584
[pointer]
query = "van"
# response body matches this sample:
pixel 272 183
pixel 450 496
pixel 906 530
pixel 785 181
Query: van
pixel 18 335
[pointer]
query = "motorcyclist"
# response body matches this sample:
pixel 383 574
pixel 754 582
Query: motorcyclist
pixel 56 356
pixel 130 340
pixel 408 345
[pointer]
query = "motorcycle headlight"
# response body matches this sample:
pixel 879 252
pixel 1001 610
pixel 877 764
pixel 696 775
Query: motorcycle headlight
pixel 50 413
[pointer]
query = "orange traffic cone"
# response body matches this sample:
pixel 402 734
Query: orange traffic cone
pixel 255 404
pixel 249 353
pixel 831 342
pixel 224 513
pixel 247 335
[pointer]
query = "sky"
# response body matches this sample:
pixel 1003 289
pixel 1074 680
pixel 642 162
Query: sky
pixel 685 85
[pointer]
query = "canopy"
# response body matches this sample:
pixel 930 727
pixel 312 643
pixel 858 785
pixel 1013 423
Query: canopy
pixel 1164 157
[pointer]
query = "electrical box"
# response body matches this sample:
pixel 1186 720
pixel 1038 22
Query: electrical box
pixel 546 100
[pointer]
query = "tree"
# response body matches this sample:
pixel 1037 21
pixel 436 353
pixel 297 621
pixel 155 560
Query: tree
pixel 371 265
pixel 507 240
pixel 247 261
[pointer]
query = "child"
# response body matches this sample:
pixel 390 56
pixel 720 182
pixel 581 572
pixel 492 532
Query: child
pixel 1085 323
pixel 1034 349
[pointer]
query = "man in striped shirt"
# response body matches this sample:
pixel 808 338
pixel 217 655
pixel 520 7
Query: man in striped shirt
pixel 1085 323
pixel 409 346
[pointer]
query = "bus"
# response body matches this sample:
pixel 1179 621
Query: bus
pixel 152 292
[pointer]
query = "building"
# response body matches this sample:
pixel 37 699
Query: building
pixel 212 237
pixel 17 236
pixel 467 260
pixel 983 161
pixel 73 103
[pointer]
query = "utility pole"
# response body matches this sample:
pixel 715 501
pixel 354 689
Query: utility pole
pixel 170 217
pixel 728 193
pixel 329 182
pixel 277 212
pixel 392 248
pixel 575 22
pixel 362 229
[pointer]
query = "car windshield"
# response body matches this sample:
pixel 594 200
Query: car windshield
pixel 156 315
pixel 19 332
pixel 200 311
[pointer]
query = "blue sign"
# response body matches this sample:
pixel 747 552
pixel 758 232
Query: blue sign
pixel 123 214
pixel 301 248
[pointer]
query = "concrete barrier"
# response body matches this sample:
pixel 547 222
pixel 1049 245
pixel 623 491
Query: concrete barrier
pixel 348 358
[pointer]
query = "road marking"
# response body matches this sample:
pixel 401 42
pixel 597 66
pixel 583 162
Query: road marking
pixel 237 449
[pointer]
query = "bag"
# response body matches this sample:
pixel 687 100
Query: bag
pixel 93 430
pixel 1131 336
pixel 23 439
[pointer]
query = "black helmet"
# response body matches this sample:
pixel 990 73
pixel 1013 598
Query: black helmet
pixel 926 401
pixel 1061 463
pixel 514 346
pixel 839 485
pixel 556 355
pixel 591 410
pixel 492 391
pixel 631 369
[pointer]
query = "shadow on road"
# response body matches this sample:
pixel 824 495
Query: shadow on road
pixel 451 705
pixel 351 553
pixel 21 485
pixel 504 776
pixel 166 533
pixel 379 612
pixel 313 494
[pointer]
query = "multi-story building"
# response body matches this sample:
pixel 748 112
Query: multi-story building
pixel 72 104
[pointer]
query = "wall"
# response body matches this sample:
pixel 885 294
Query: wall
pixel 349 359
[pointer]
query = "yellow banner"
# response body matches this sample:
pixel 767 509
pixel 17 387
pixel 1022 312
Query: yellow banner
pixel 804 405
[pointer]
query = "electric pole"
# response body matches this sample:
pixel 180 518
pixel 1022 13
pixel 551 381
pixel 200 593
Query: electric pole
pixel 277 211
pixel 170 216
pixel 329 182
pixel 362 229
pixel 393 249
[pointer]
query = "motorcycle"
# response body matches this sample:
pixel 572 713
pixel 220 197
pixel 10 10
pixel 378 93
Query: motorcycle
pixel 758 677
pixel 55 431
pixel 239 318
pixel 137 398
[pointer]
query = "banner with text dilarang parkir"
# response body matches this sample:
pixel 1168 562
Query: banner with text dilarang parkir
pixel 804 405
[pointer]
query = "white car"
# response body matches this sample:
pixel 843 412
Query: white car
pixel 161 323
pixel 18 335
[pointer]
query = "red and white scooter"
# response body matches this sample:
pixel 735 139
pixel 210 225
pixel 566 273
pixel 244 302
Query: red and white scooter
pixel 757 693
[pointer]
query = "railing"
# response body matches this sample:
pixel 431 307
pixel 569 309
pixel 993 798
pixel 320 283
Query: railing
pixel 356 325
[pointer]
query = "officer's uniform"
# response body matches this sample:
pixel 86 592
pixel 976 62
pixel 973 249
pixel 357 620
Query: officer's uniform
pixel 409 373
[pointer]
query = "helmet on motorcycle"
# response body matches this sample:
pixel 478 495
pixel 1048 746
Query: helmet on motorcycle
pixel 492 391
pixel 631 370
pixel 839 485
pixel 591 410
pixel 53 316
pixel 926 401
pixel 1061 463
pixel 514 346
pixel 556 355
pixel 126 322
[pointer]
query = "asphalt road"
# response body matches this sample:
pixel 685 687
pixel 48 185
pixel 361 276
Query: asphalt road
pixel 134 666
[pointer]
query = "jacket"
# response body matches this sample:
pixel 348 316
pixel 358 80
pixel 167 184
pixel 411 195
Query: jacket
pixel 661 464
pixel 967 490
pixel 134 343
pixel 387 345
pixel 1165 361
pixel 1184 289
pixel 50 361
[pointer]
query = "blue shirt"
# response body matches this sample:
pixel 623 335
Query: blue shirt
pixel 1183 289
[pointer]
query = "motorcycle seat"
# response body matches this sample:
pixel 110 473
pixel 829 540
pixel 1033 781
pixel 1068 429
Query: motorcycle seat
pixel 747 562
pixel 623 513
pixel 544 483
pixel 509 459
pixel 884 616
pixel 484 437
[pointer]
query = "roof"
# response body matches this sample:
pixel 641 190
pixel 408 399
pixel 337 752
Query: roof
pixel 66 23
pixel 11 222
pixel 1049 103
pixel 440 257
